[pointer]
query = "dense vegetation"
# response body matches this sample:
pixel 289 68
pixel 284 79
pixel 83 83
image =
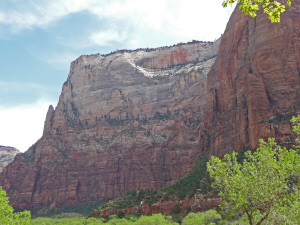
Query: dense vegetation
pixel 7 214
pixel 272 8
pixel 265 186
pixel 210 217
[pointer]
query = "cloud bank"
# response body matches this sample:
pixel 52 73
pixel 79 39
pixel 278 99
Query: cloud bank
pixel 22 126
pixel 180 19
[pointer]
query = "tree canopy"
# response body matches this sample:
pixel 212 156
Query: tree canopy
pixel 210 217
pixel 272 8
pixel 7 215
pixel 265 183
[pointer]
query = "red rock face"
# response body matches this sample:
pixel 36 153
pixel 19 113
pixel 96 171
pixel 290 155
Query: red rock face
pixel 141 119
pixel 182 54
pixel 200 203
pixel 179 56
pixel 119 126
pixel 254 85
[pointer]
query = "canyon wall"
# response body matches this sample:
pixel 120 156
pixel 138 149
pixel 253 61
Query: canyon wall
pixel 124 121
pixel 133 120
pixel 254 85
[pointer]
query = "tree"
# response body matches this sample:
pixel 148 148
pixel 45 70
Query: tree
pixel 7 215
pixel 210 217
pixel 272 8
pixel 296 128
pixel 155 219
pixel 260 185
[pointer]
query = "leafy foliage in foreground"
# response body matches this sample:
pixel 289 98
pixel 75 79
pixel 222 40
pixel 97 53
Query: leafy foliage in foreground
pixel 272 8
pixel 65 221
pixel 210 217
pixel 7 214
pixel 158 219
pixel 264 187
pixel 296 128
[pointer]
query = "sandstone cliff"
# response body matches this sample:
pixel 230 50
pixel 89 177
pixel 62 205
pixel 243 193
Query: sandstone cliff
pixel 135 120
pixel 254 85
pixel 7 155
pixel 125 121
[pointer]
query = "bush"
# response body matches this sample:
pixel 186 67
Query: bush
pixel 7 215
pixel 155 219
pixel 209 217
pixel 260 186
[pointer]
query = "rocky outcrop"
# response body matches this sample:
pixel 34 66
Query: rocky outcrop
pixel 125 121
pixel 7 155
pixel 135 120
pixel 165 208
pixel 197 203
pixel 254 85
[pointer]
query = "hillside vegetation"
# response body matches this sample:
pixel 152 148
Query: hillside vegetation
pixel 210 217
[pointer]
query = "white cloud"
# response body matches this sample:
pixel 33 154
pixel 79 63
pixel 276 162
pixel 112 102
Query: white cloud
pixel 29 14
pixel 185 19
pixel 22 126
pixel 154 23
pixel 105 38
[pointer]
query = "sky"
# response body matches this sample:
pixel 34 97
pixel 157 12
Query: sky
pixel 40 38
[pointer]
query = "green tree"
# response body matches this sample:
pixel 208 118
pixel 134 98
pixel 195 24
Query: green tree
pixel 192 218
pixel 209 217
pixel 155 219
pixel 272 8
pixel 7 215
pixel 260 185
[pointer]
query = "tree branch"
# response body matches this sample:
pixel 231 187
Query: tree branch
pixel 263 218
pixel 249 216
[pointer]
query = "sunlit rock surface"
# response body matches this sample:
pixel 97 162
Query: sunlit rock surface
pixel 124 121
pixel 7 155
pixel 135 120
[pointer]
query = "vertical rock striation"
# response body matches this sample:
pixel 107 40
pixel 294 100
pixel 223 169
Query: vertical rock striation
pixel 135 120
pixel 124 121
pixel 254 85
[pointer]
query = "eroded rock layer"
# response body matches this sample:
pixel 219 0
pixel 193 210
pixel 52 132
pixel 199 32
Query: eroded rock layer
pixel 254 85
pixel 136 120
pixel 125 121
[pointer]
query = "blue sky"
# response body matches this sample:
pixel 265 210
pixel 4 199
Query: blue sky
pixel 40 38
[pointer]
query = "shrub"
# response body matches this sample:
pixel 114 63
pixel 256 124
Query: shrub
pixel 7 214
pixel 209 217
